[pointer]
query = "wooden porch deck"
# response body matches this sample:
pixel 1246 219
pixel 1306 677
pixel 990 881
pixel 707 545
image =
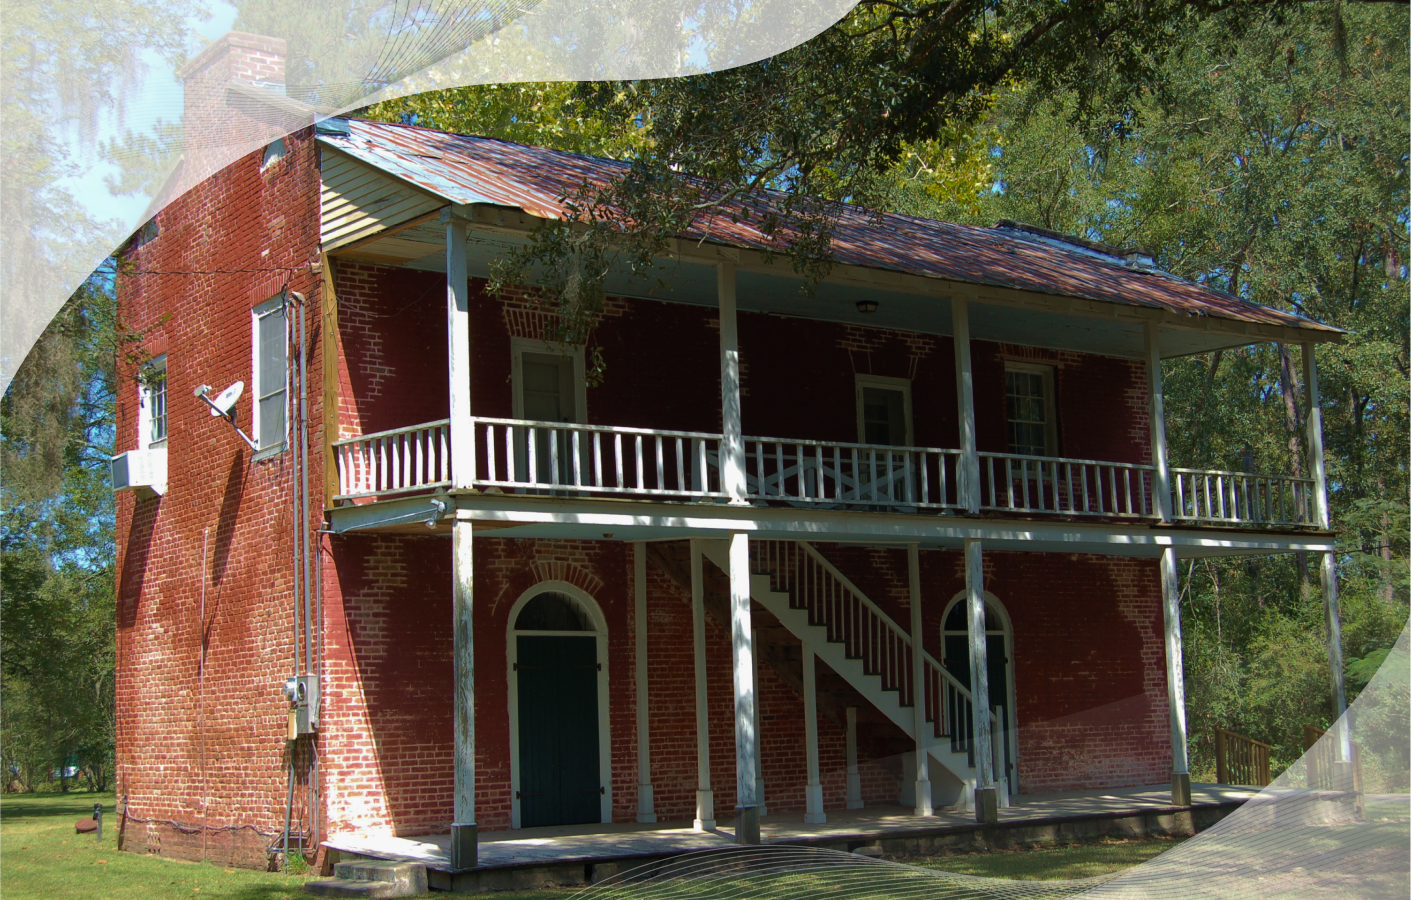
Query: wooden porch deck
pixel 531 856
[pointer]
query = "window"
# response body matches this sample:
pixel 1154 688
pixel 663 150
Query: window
pixel 549 384
pixel 884 411
pixel 1028 397
pixel 152 405
pixel 273 153
pixel 271 374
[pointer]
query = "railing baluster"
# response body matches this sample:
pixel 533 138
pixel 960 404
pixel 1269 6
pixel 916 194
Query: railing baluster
pixel 1127 484
pixel 617 458
pixel 641 475
pixel 680 466
pixel 598 459
pixel 661 467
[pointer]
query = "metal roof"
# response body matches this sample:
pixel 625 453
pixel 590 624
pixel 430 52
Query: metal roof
pixel 465 169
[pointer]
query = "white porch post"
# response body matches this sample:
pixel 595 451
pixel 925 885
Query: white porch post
pixel 458 352
pixel 854 776
pixel 464 833
pixel 705 799
pixel 742 654
pixel 1331 615
pixel 986 796
pixel 1161 482
pixel 646 812
pixel 969 474
pixel 732 445
pixel 1175 679
pixel 813 792
pixel 918 684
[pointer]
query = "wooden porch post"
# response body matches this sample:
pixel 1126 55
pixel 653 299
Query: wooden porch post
pixel 1175 679
pixel 732 445
pixel 742 654
pixel 1331 616
pixel 1161 482
pixel 458 352
pixel 854 775
pixel 705 798
pixel 918 684
pixel 464 833
pixel 969 474
pixel 986 796
pixel 813 792
pixel 646 812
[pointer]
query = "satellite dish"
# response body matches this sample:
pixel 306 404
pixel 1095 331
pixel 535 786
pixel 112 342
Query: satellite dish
pixel 222 405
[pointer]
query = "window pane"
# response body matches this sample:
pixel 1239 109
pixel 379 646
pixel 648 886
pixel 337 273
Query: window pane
pixel 271 420
pixel 158 397
pixel 883 416
pixel 271 354
pixel 1026 404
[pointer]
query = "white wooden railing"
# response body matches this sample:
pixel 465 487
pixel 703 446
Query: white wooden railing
pixel 867 633
pixel 1076 487
pixel 1239 498
pixel 595 459
pixel 568 459
pixel 394 462
pixel 838 474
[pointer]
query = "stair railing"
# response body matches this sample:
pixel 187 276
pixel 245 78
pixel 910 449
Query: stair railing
pixel 867 633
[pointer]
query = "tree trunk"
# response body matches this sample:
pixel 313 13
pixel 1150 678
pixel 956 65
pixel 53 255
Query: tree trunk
pixel 1290 388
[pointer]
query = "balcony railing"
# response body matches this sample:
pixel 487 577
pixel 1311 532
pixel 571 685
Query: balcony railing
pixel 1240 498
pixel 595 460
pixel 1073 487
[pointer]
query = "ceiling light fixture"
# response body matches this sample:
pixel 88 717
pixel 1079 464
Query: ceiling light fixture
pixel 867 307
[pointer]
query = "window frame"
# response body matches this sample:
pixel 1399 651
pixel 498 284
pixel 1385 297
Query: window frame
pixel 520 346
pixel 885 383
pixel 146 435
pixel 274 305
pixel 1051 448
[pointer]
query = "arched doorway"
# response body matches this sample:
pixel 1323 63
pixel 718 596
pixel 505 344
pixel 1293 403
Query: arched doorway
pixel 999 643
pixel 560 748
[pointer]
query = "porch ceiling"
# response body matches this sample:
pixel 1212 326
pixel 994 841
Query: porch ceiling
pixel 516 516
pixel 422 247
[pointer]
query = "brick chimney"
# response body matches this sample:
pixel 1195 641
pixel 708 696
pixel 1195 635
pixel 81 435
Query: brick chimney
pixel 234 95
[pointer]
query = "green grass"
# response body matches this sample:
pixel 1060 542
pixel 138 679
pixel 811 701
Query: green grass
pixel 1050 863
pixel 44 858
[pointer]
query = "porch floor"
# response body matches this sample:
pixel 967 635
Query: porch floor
pixel 628 840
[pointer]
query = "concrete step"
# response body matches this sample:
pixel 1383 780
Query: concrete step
pixel 372 878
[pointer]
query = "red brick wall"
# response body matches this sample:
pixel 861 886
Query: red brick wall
pixel 663 370
pixel 1088 650
pixel 210 562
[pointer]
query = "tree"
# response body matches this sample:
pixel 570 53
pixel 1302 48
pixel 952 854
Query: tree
pixel 57 598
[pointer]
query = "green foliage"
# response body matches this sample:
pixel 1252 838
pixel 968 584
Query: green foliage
pixel 57 547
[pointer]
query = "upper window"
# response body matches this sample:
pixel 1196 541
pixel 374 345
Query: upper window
pixel 152 405
pixel 273 153
pixel 884 411
pixel 549 383
pixel 271 373
pixel 1028 396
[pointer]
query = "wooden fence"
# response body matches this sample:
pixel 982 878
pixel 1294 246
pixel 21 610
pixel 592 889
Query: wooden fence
pixel 1240 760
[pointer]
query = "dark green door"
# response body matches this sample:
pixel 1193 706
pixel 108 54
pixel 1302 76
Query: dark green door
pixel 997 663
pixel 558 730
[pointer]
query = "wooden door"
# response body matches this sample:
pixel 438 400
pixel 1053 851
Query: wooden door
pixel 558 730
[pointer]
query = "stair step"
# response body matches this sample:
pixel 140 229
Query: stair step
pixel 372 878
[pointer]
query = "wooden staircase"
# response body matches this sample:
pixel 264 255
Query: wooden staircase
pixel 815 604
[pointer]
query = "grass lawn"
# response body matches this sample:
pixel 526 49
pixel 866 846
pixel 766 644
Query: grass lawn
pixel 1050 863
pixel 43 859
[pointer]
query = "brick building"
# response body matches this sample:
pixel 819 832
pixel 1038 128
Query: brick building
pixel 425 578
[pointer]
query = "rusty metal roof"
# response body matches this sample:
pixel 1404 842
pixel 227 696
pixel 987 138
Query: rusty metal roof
pixel 466 169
